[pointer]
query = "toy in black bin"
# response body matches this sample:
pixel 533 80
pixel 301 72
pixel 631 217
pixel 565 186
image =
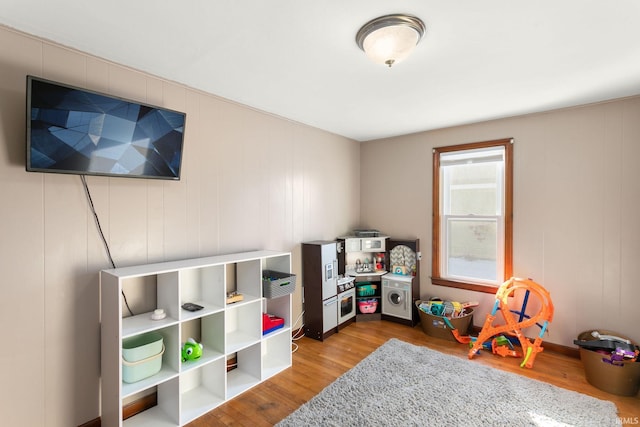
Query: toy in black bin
pixel 611 361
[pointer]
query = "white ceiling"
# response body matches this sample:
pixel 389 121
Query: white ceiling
pixel 298 59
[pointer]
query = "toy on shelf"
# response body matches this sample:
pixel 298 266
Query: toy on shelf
pixel 191 350
pixel 234 297
pixel 271 323
pixel 516 321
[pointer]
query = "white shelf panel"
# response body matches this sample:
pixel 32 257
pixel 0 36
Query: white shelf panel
pixel 248 299
pixel 171 266
pixel 208 356
pixel 165 374
pixel 142 323
pixel 285 329
pixel 238 340
pixel 207 310
pixel 153 417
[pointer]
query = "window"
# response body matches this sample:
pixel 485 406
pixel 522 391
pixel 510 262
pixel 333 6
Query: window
pixel 472 215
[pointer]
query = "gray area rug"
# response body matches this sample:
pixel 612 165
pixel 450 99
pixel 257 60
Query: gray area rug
pixel 401 384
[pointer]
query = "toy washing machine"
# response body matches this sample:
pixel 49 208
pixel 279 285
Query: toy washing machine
pixel 396 296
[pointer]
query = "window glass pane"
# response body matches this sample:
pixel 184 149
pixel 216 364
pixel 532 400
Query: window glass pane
pixel 472 185
pixel 472 247
pixel 472 199
pixel 477 155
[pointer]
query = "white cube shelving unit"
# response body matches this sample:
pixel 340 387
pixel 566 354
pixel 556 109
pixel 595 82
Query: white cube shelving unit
pixel 190 389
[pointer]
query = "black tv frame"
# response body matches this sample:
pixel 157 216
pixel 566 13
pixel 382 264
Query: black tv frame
pixel 80 131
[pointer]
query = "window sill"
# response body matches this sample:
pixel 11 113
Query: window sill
pixel 489 289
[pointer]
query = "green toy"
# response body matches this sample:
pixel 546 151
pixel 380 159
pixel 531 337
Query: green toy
pixel 191 350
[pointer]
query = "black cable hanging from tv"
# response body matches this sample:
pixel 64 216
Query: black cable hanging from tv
pixel 104 240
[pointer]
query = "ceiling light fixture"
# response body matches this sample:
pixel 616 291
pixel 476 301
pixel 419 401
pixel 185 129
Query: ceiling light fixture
pixel 391 38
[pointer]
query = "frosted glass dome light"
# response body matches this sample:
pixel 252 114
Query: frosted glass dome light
pixel 390 39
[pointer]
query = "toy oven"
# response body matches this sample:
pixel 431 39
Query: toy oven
pixel 346 305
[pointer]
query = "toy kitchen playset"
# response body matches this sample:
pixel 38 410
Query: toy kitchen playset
pixel 359 277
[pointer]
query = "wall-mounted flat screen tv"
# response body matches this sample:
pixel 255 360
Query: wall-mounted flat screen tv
pixel 77 131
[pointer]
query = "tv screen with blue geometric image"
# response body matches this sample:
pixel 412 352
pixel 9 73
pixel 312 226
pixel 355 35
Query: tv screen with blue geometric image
pixel 72 130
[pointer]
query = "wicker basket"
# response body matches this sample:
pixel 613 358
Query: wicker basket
pixel 435 326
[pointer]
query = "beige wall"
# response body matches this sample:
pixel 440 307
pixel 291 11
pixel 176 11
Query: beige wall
pixel 576 208
pixel 250 181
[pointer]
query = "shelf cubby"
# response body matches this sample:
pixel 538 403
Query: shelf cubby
pixel 205 330
pixel 277 263
pixel 247 373
pixel 280 307
pixel 276 353
pixel 243 325
pixel 166 413
pixel 202 389
pixel 147 293
pixel 170 363
pixel 248 279
pixel 203 286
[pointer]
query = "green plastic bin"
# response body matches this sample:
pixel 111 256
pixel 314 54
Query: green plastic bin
pixel 141 356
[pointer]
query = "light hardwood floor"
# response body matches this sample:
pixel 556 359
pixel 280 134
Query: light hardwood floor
pixel 316 364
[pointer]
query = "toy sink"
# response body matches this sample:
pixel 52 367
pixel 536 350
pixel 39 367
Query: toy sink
pixel 141 356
